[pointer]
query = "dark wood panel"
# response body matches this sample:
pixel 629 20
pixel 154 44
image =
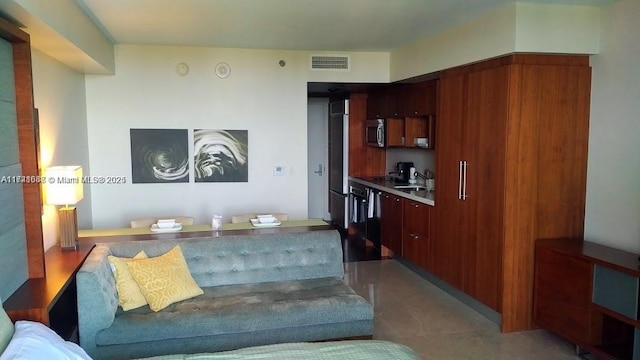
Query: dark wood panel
pixel 563 294
pixel 525 125
pixel 415 127
pixel 615 259
pixel 518 58
pixel 415 242
pixel 377 104
pixel 447 250
pixel 484 150
pixel 546 173
pixel 35 298
pixel 394 128
pixel 364 160
pixel 562 165
pixel 12 33
pixel 391 223
pixel 420 99
pixel 27 144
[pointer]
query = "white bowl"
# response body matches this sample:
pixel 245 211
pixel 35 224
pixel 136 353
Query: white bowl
pixel 166 223
pixel 265 219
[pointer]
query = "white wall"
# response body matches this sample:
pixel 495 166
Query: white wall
pixel 613 182
pixel 518 27
pixel 260 96
pixel 551 28
pixel 488 36
pixel 59 96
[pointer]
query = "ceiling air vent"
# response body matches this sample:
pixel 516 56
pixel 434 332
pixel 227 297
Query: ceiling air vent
pixel 329 62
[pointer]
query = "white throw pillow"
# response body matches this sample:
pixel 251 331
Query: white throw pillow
pixel 33 340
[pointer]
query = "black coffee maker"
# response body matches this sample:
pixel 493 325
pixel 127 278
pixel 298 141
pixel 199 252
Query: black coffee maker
pixel 403 169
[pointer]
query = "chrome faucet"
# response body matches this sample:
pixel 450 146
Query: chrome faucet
pixel 417 174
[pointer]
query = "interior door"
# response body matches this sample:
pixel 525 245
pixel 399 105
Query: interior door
pixel 447 253
pixel 317 154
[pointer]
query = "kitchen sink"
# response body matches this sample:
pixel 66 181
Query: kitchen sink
pixel 410 187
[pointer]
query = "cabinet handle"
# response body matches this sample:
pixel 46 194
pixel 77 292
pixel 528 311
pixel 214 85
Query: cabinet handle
pixel 460 180
pixel 464 180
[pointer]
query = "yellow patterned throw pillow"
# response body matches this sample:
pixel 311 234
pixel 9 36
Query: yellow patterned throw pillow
pixel 129 295
pixel 165 279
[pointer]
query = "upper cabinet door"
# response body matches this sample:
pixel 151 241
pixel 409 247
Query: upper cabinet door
pixel 377 104
pixel 420 99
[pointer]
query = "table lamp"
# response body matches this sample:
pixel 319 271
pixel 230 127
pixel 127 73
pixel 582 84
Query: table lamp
pixel 64 187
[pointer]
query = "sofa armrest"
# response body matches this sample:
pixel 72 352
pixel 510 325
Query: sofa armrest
pixel 97 296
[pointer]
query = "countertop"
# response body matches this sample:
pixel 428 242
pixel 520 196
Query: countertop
pixel 383 184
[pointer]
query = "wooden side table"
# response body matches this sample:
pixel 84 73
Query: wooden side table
pixel 589 294
pixel 52 300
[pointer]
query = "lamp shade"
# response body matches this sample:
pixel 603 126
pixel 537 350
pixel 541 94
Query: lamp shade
pixel 63 185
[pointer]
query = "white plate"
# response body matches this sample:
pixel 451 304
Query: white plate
pixel 155 228
pixel 257 223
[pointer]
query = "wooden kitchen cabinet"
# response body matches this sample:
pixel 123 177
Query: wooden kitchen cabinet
pixel 510 168
pixel 364 160
pixel 395 132
pixel 391 222
pixel 377 107
pixel 420 99
pixel 396 96
pixel 415 239
pixel 419 127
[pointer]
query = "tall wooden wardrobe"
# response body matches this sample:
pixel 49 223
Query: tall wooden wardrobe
pixel 510 168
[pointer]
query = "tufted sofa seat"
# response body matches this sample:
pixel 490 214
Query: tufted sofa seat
pixel 258 289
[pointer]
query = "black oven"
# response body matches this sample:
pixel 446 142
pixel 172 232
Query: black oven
pixel 364 212
pixel 375 132
pixel 358 209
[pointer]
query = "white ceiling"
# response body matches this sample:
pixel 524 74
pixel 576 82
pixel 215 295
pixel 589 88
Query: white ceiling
pixel 339 25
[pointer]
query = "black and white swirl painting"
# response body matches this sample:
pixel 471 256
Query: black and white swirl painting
pixel 159 156
pixel 221 155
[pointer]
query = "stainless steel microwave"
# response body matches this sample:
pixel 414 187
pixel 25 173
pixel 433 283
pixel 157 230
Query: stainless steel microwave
pixel 375 132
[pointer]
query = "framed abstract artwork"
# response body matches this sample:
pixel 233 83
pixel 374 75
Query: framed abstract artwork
pixel 159 156
pixel 221 155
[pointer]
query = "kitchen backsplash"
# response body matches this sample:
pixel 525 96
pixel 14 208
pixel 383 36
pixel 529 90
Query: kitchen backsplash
pixel 422 159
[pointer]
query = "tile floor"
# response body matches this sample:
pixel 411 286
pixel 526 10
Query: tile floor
pixel 412 311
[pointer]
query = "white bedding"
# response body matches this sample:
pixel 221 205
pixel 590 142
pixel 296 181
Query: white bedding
pixel 332 350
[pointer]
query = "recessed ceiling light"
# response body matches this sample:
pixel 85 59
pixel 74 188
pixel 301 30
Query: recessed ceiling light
pixel 223 70
pixel 182 69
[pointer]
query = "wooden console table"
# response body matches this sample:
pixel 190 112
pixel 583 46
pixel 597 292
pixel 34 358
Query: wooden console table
pixel 199 231
pixel 51 300
pixel 589 294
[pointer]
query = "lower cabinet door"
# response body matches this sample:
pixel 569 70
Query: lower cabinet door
pixel 391 222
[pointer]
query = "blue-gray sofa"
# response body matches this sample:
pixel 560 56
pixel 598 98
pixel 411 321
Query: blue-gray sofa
pixel 258 289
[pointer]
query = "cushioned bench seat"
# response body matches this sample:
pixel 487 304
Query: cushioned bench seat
pixel 238 309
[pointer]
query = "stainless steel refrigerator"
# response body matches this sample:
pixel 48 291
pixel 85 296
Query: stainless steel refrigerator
pixel 339 162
